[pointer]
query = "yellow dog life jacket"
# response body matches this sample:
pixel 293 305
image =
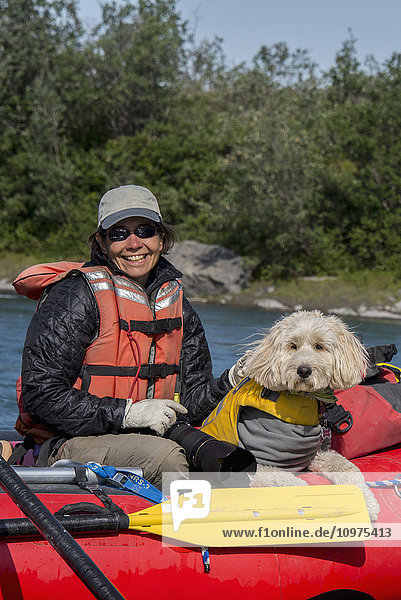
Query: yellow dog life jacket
pixel 297 409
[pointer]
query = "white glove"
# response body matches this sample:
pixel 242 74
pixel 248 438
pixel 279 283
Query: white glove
pixel 238 371
pixel 157 414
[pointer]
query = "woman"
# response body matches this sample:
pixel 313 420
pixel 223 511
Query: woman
pixel 114 344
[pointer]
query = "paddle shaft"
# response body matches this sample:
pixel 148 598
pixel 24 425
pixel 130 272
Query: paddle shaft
pixel 110 523
pixel 52 530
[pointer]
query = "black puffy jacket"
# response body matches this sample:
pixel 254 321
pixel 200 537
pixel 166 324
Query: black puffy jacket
pixel 65 324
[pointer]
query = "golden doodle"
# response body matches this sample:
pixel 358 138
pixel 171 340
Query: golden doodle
pixel 282 384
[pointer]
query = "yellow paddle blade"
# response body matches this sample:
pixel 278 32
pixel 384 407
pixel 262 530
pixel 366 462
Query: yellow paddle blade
pixel 262 517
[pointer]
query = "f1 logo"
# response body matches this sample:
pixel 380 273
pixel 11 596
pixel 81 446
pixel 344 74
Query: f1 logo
pixel 189 500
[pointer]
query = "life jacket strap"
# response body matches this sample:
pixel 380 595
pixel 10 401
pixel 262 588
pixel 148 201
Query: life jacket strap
pixel 157 370
pixel 152 327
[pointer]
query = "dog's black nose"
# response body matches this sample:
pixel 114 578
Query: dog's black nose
pixel 304 371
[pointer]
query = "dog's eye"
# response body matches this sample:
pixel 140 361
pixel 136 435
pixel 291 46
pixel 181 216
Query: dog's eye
pixel 319 347
pixel 293 346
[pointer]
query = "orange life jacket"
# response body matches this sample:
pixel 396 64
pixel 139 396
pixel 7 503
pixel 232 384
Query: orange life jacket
pixel 134 330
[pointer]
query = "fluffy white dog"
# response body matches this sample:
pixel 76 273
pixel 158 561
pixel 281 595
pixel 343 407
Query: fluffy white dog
pixel 307 353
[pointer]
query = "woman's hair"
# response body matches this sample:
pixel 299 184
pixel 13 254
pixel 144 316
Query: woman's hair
pixel 164 229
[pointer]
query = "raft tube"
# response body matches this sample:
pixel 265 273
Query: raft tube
pixel 141 565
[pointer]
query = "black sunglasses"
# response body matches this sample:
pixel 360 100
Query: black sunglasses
pixel 119 234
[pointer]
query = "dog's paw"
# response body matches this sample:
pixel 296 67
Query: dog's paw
pixel 264 477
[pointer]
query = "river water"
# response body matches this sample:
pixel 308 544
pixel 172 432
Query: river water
pixel 227 328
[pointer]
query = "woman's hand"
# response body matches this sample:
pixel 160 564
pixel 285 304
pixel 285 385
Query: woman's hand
pixel 157 414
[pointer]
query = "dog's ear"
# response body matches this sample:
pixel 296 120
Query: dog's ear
pixel 350 358
pixel 263 363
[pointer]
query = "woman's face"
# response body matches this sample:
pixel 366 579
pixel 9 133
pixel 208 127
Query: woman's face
pixel 136 256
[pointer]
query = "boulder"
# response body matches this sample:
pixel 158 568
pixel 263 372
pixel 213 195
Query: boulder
pixel 5 285
pixel 345 311
pixel 272 304
pixel 208 270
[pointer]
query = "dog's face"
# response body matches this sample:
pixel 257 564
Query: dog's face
pixel 307 351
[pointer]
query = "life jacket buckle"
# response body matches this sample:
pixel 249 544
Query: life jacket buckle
pixel 345 424
pixel 338 419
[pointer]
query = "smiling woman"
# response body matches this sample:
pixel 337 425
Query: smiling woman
pixel 131 236
pixel 114 343
pixel 133 242
pixel 134 246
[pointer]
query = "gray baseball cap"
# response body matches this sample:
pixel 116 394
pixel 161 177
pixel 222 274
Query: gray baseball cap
pixel 127 201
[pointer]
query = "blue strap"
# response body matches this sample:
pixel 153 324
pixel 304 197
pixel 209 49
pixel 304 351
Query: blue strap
pixel 385 483
pixel 125 480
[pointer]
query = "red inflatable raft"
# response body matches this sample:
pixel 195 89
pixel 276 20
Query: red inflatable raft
pixel 140 565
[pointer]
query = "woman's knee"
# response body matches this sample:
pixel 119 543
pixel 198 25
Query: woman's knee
pixel 175 461
pixel 173 466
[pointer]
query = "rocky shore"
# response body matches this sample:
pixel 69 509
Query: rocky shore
pixel 366 312
pixel 212 273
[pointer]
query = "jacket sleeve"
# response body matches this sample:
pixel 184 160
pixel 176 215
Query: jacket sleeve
pixel 60 332
pixel 200 391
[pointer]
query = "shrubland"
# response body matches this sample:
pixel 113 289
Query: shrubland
pixel 295 169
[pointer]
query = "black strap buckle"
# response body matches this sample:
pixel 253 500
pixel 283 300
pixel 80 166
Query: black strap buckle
pixel 338 419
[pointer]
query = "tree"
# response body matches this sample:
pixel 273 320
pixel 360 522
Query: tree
pixel 33 174
pixel 33 33
pixel 137 58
